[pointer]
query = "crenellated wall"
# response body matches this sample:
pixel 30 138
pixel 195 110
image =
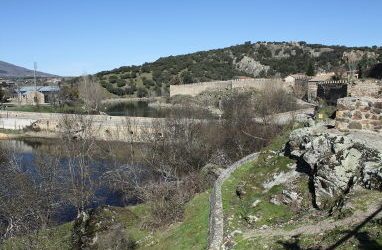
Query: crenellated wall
pixel 360 113
pixel 195 89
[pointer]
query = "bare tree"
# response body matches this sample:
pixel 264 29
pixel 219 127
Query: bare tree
pixel 79 145
pixel 91 93
pixel 18 195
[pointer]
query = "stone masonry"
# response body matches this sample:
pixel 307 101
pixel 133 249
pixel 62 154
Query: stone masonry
pixel 195 89
pixel 359 113
pixel 366 88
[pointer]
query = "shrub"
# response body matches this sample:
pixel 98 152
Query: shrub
pixel 121 83
pixel 148 83
pixel 142 92
pixel 113 78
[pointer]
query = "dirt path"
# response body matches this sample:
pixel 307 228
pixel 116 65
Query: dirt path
pixel 373 210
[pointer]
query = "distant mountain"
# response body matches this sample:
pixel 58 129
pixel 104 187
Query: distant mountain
pixel 10 70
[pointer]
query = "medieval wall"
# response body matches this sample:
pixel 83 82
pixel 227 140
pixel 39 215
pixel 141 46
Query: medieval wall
pixel 360 113
pixel 368 88
pixel 195 89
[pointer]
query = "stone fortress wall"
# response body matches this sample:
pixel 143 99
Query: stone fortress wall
pixel 367 88
pixel 359 113
pixel 195 89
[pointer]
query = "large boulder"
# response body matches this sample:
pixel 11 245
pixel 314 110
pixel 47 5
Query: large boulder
pixel 251 66
pixel 335 162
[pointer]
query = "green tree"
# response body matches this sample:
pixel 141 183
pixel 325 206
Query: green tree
pixel 148 83
pixel 121 83
pixel 186 77
pixel 113 78
pixel 310 70
pixel 2 94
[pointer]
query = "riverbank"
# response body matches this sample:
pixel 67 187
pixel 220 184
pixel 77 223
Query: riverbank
pixel 20 134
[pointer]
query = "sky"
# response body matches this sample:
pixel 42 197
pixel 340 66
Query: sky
pixel 73 37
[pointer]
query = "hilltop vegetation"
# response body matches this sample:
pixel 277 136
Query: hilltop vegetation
pixel 261 59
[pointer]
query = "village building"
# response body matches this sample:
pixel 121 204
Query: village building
pixel 31 98
pixel 35 95
pixel 313 83
pixel 291 79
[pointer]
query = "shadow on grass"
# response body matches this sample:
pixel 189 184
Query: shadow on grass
pixel 364 239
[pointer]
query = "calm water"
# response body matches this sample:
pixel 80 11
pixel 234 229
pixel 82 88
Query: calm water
pixel 139 108
pixel 143 109
pixel 28 152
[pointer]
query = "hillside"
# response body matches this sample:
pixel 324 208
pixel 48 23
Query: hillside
pixel 10 70
pixel 287 199
pixel 261 59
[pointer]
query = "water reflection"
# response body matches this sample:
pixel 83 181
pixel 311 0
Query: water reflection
pixel 143 109
pixel 30 156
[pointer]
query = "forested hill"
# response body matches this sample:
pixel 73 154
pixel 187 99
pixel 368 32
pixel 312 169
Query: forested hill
pixel 261 59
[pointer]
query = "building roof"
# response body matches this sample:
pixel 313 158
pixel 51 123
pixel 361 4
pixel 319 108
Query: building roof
pixel 49 89
pixel 39 88
pixel 32 91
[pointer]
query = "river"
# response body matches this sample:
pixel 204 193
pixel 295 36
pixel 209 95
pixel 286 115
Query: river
pixel 145 109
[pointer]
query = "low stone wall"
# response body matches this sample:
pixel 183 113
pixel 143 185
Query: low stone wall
pixel 367 88
pixel 195 89
pixel 360 113
pixel 102 127
pixel 216 220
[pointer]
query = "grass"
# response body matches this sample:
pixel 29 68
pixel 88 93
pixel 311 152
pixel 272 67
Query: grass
pixel 368 237
pixel 192 233
pixel 252 175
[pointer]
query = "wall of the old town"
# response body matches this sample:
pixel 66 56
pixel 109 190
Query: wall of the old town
pixel 361 113
pixel 195 89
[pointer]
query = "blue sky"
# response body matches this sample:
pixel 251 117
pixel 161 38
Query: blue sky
pixel 71 37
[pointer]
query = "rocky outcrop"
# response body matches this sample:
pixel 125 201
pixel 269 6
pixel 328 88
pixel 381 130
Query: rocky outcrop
pixel 99 229
pixel 251 66
pixel 335 162
pixel 355 56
